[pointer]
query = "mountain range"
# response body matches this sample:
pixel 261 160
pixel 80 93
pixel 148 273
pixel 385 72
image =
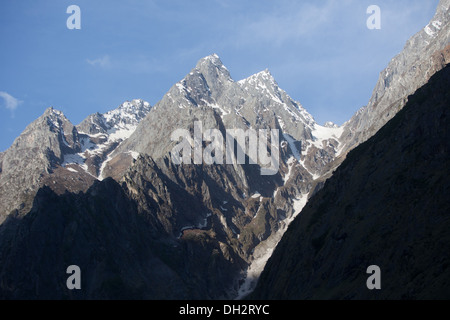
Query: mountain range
pixel 386 205
pixel 105 194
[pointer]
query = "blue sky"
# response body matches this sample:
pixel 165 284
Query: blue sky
pixel 320 52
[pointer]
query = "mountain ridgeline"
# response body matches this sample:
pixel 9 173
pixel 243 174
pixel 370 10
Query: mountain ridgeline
pixel 386 205
pixel 204 219
pixel 106 196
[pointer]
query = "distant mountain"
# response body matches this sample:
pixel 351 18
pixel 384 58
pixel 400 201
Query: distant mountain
pixel 386 205
pixel 52 151
pixel 105 132
pixel 264 205
pixel 207 229
pixel 240 211
pixel 208 93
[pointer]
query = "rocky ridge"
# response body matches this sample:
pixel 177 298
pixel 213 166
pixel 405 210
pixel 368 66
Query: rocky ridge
pixel 234 206
pixel 228 212
pixel 52 151
pixel 424 54
pixel 386 205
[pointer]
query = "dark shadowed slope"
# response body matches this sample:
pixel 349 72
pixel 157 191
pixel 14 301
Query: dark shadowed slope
pixel 121 254
pixel 388 204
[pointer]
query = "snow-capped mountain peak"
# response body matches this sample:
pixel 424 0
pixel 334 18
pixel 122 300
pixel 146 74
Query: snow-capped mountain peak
pixel 265 75
pixel 330 124
pixel 212 70
pixel 100 134
pixel 260 78
pixel 127 114
pixel 54 118
pixel 212 59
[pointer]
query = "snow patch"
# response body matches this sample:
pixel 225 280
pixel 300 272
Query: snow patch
pixel 200 226
pixel 324 133
pixel 134 154
pixel 216 106
pixel 437 24
pixel 264 250
pixel 74 159
pixel 256 195
pixel 223 220
pixel 428 31
pixel 181 87
pixel 103 166
pixel 294 149
pixel 290 164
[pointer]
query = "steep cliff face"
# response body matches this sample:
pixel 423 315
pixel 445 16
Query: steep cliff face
pixel 424 54
pixel 122 254
pixel 386 205
pixel 53 152
pixel 223 216
pixel 209 94
pixel 251 211
pixel 207 230
pixel 229 209
pixel 34 153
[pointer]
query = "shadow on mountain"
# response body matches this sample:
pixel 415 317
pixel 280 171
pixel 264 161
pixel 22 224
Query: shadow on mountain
pixel 387 205
pixel 121 253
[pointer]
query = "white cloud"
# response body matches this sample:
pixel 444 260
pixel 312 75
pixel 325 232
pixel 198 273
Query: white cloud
pixel 11 103
pixel 293 21
pixel 103 62
pixel 404 17
pixel 223 3
pixel 131 63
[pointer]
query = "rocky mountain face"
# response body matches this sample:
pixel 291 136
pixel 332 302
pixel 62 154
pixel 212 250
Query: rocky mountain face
pixel 121 253
pixel 386 205
pixel 209 94
pixel 251 211
pixel 52 151
pixel 230 209
pixel 39 148
pixel 1 162
pixel 206 230
pixel 106 131
pixel 425 53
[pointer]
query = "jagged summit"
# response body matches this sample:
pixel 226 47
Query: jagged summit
pixel 128 114
pixel 212 69
pixel 211 77
pixel 261 78
pixel 212 59
pixel 163 230
pixel 55 119
pixel 209 94
pixel 51 111
pixel 125 116
pixel 52 147
pixel 385 203
pixel 425 53
pixel 264 74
